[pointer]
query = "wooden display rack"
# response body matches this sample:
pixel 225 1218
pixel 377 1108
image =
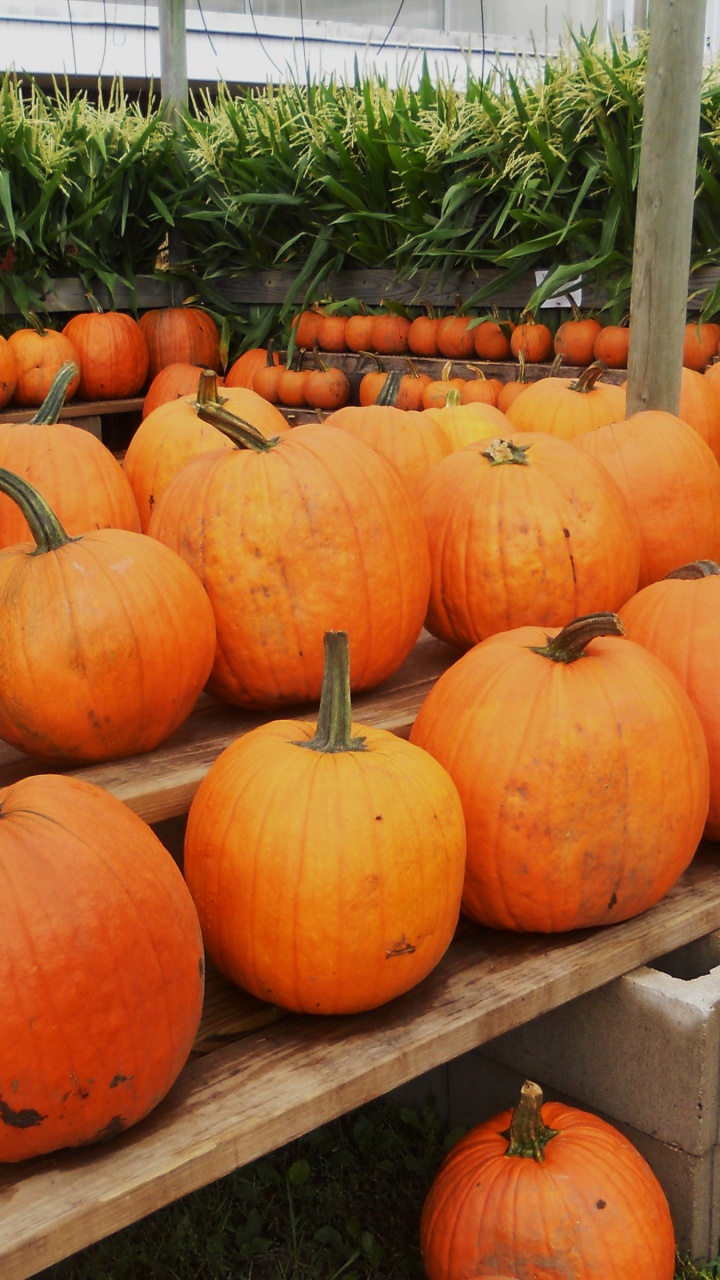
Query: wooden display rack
pixel 259 1077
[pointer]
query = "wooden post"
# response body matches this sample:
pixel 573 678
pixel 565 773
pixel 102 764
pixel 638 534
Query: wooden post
pixel 173 57
pixel 666 190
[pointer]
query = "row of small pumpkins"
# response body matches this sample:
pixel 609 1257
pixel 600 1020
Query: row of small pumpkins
pixel 286 566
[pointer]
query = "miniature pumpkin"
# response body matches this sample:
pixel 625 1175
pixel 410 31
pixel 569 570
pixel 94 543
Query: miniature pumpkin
pixel 113 353
pixel 671 481
pixel 422 334
pixel 700 344
pixel 112 628
pixel 75 472
pixel 612 346
pixel 568 407
pixel 520 532
pixel 492 339
pixel 533 339
pixel 480 389
pixel 514 387
pixel 310 532
pixel 184 335
pixel 455 338
pixel 326 860
pixel 389 334
pixel 85 1055
pixel 546 1191
pixel 583 771
pixel 574 339
pixel 39 354
pixel 305 327
pixel 358 330
pixel 174 382
pixel 243 369
pixel 678 619
pixel 326 387
pixel 331 331
pixel 436 392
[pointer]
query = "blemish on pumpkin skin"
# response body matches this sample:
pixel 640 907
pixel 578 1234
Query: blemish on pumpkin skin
pixel 612 902
pixel 110 1130
pixel 600 1204
pixel 26 1118
pixel 119 1079
pixel 401 948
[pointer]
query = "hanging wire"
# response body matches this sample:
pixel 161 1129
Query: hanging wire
pixel 72 37
pixel 145 34
pixel 205 25
pixel 105 36
pixel 302 38
pixel 482 59
pixel 259 38
pixel 389 31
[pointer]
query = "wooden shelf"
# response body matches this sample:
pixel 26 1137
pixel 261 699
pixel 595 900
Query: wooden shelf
pixel 259 1077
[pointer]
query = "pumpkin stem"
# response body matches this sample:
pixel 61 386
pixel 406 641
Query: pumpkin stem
pixel 453 398
pixel 242 433
pixel 335 714
pixel 36 323
pixel 499 452
pixel 698 569
pixel 49 410
pixel 44 525
pixel 570 643
pixel 207 392
pixel 388 393
pixel 527 1134
pixel 589 377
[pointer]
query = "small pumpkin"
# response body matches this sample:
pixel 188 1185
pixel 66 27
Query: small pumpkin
pixel 455 338
pixel 331 331
pixel 39 354
pixel 574 339
pixel 266 380
pixel 700 344
pixel 113 628
pixel 514 387
pixel 326 386
pixel 492 338
pixel 85 1055
pixel 114 357
pixel 480 389
pixel 583 771
pixel 699 406
pixel 389 862
pixel 546 1190
pixel 462 424
pixel 533 339
pixel 174 382
pixel 305 327
pixel 358 330
pixel 389 334
pixel 8 372
pixel 436 392
pixel 422 334
pixel 243 369
pixel 612 346
pixel 180 335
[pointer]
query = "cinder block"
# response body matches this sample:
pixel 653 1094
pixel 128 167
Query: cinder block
pixel 644 1049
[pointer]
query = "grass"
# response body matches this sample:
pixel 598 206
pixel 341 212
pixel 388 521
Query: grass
pixel 341 1203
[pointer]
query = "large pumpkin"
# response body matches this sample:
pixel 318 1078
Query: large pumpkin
pixel 113 354
pixel 39 354
pixel 174 433
pixel 412 440
pixel 546 1192
pixel 678 619
pixel 326 859
pixel 174 382
pixel 101 964
pixel 523 532
pixel 76 473
pixel 583 771
pixel 671 481
pixel 568 407
pixel 107 639
pixel 699 407
pixel 310 532
pixel 185 335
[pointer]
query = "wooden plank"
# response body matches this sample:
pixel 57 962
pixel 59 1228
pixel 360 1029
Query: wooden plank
pixel 69 295
pixel 665 201
pixel 162 783
pixel 269 1087
pixel 80 409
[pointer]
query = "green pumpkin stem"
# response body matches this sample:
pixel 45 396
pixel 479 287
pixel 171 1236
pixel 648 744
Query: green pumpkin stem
pixel 388 393
pixel 49 410
pixel 501 452
pixel 242 433
pixel 698 569
pixel 589 377
pixel 207 392
pixel 44 525
pixel 570 643
pixel 335 715
pixel 528 1136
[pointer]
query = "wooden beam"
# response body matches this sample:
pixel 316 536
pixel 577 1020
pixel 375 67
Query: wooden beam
pixel 666 192
pixel 173 57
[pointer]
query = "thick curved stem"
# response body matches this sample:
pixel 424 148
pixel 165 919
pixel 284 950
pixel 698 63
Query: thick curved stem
pixel 570 643
pixel 335 714
pixel 49 410
pixel 44 525
pixel 528 1134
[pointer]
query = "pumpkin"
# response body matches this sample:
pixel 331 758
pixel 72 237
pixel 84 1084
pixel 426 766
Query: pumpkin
pixel 291 383
pixel 479 389
pixel 305 327
pixel 511 389
pixel 612 346
pixel 174 433
pixel 174 382
pixel 326 387
pixel 671 481
pixel 358 330
pixel 523 532
pixel 436 392
pixel 8 372
pixel 326 859
pixel 583 771
pixel 411 440
pixel 310 532
pixel 700 344
pixel 700 408
pixel 574 339
pixel 331 331
pixel 422 334
pixel 411 388
pixel 266 380
pixel 185 335
pixel 39 354
pixel 242 371
pixel 113 629
pixel 678 619
pixel 465 423
pixel 568 407
pixel 75 472
pixel 113 353
pixel 89 888
pixel 492 339
pixel 533 339
pixel 372 382
pixel 389 334
pixel 546 1191
pixel 455 338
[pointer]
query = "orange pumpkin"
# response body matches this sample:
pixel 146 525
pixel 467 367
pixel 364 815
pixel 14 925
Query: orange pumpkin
pixel 266 381
pixel 678 619
pixel 180 335
pixel 113 353
pixel 326 387
pixel 462 424
pixel 436 392
pixel 305 327
pixel 492 339
pixel 411 388
pixel 479 389
pixel 259 831
pixel 511 389
pixel 568 407
pixel 243 369
pixel 671 481
pixel 699 406
pixel 412 441
pixel 175 433
pixel 389 334
pixel 313 531
pixel 612 346
pixel 523 532
pixel 583 771
pixel 75 472
pixel 174 382
pixel 455 338
pixel 574 339
pixel 422 334
pixel 700 344
pixel 331 331
pixel 533 339
pixel 83 1059
pixel 8 372
pixel 358 331
pixel 92 621
pixel 523 1189
pixel 39 354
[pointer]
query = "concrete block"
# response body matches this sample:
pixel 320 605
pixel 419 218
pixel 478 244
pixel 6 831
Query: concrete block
pixel 644 1049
